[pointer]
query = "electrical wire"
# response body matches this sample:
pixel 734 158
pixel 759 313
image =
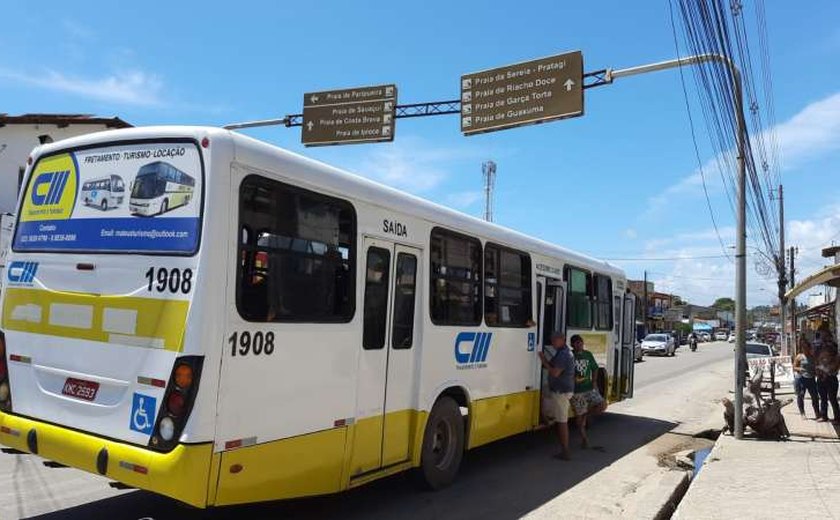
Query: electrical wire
pixel 694 135
pixel 709 28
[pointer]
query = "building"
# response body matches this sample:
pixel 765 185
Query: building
pixel 658 317
pixel 823 313
pixel 20 134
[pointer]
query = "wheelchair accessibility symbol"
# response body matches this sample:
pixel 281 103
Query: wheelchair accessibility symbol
pixel 142 413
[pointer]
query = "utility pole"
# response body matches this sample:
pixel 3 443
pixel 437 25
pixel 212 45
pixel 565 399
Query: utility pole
pixel 488 171
pixel 645 306
pixel 780 268
pixel 792 300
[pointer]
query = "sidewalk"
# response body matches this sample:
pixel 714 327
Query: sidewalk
pixel 751 478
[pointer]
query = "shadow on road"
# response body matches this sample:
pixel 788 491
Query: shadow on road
pixel 506 479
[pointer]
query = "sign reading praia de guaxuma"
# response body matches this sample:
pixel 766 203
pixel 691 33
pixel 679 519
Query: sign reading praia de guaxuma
pixel 353 115
pixel 524 93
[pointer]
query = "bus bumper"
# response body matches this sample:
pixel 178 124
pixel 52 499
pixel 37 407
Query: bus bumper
pixel 182 474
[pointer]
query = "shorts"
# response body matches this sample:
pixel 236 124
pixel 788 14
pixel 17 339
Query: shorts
pixel 583 402
pixel 556 406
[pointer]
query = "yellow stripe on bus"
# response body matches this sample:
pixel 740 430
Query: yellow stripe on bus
pixel 183 473
pixel 126 320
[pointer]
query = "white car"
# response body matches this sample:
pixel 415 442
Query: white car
pixel 720 336
pixel 731 338
pixel 660 344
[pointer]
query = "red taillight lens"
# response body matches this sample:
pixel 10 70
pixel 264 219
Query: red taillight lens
pixel 175 404
pixel 183 376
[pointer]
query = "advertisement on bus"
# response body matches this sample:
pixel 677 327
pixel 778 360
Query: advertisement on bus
pixel 143 198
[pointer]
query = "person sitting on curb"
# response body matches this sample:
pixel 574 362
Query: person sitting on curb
pixel 586 400
pixel 561 383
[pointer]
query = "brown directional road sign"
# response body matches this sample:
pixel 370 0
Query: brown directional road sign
pixel 353 115
pixel 521 94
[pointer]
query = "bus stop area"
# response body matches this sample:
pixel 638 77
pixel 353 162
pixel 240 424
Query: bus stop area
pixel 754 478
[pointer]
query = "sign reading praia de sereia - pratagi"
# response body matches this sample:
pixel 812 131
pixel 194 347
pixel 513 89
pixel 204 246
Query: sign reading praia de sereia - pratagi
pixel 137 197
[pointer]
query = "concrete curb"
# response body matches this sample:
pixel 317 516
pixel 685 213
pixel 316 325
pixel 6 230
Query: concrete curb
pixel 672 503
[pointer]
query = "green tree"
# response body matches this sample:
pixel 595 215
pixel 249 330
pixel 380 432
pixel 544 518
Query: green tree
pixel 724 304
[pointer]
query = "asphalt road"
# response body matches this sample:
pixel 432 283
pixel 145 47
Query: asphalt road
pixel 653 369
pixel 506 479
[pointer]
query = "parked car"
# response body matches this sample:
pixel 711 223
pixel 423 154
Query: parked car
pixel 720 335
pixel 705 336
pixel 731 338
pixel 637 351
pixel 661 344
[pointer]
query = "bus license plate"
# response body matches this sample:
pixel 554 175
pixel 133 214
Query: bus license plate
pixel 80 389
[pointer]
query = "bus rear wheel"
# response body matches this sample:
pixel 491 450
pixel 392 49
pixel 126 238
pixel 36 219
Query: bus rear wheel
pixel 443 444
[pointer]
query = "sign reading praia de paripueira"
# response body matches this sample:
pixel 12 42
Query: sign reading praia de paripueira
pixel 353 115
pixel 524 93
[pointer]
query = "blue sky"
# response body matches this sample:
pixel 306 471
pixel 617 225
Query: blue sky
pixel 619 182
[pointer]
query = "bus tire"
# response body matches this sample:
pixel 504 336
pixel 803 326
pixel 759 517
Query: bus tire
pixel 104 204
pixel 164 206
pixel 443 444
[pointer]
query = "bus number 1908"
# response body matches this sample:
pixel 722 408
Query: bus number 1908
pixel 244 343
pixel 173 280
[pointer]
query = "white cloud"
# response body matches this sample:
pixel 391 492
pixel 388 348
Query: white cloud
pixel 77 30
pixel 130 87
pixel 463 199
pixel 630 233
pixel 812 131
pixel 702 280
pixel 811 236
pixel 414 165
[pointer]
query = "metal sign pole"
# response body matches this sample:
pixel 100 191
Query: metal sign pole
pixel 741 244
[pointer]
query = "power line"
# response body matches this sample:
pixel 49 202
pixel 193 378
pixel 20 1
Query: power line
pixel 694 135
pixel 663 258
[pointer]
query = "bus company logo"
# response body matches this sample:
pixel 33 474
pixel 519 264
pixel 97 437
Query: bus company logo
pixel 48 187
pixel 22 273
pixel 51 193
pixel 471 349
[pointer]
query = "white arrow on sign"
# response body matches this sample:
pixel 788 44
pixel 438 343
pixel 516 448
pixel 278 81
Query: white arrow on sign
pixel 569 84
pixel 309 125
pixel 314 98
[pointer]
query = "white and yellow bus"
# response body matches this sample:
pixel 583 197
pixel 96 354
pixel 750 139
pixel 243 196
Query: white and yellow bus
pixel 296 331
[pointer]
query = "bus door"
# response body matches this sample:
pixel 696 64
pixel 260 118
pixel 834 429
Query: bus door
pixel 616 389
pixel 551 298
pixel 628 340
pixel 386 375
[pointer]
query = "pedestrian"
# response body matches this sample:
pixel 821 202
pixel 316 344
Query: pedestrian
pixel 804 377
pixel 586 400
pixel 561 384
pixel 828 363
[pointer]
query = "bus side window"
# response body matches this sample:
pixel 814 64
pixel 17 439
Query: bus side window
pixel 298 266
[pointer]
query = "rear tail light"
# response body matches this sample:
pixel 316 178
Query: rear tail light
pixel 178 402
pixel 5 389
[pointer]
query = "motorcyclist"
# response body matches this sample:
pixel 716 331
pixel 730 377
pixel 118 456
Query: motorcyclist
pixel 692 341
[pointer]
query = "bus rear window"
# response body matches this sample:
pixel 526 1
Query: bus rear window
pixel 132 198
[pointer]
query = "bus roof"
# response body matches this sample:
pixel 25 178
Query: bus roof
pixel 342 183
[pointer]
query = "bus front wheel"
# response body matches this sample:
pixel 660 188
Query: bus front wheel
pixel 104 205
pixel 164 206
pixel 443 444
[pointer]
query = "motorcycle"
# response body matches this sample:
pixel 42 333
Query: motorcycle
pixel 692 344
